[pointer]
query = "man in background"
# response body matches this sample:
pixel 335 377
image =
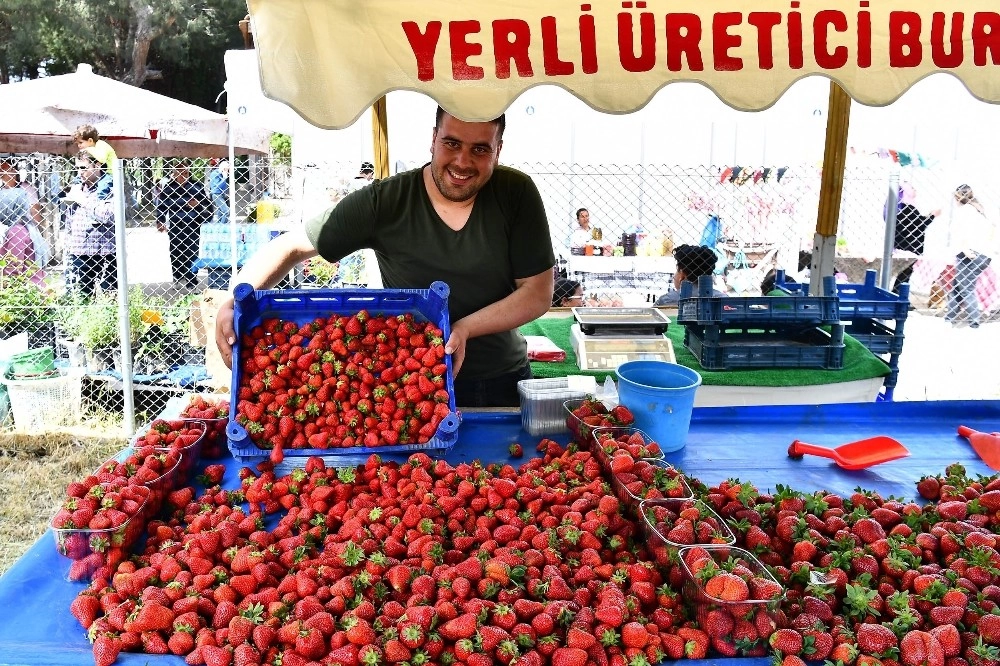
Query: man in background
pixel 181 208
pixel 693 262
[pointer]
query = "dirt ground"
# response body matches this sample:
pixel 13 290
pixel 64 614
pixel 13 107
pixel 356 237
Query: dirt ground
pixel 34 473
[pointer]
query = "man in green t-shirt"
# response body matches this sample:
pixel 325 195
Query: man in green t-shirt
pixel 461 219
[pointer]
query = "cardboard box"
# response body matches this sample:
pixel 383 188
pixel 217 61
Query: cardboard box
pixel 203 314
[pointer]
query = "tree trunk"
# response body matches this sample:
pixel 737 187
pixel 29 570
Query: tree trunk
pixel 145 32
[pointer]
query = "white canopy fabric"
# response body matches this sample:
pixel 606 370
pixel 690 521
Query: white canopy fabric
pixel 40 115
pixel 331 59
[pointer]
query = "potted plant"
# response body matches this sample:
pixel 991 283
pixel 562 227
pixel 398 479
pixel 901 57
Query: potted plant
pixel 26 307
pixel 94 324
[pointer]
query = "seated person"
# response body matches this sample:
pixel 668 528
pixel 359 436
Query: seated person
pixel 693 261
pixel 567 294
pixel 767 287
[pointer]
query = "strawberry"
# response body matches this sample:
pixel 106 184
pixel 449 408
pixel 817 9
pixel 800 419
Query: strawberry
pixel 85 608
pixel 786 641
pixel 516 450
pixel 569 657
pixel 919 648
pixel 463 626
pixel 106 649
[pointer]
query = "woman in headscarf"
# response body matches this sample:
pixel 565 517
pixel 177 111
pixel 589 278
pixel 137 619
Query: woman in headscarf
pixel 972 241
pixel 23 251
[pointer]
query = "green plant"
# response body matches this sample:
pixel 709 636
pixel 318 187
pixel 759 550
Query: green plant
pixel 281 148
pixel 321 271
pixel 95 322
pixel 23 304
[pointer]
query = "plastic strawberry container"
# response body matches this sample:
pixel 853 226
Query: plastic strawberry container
pixel 90 549
pixel 606 440
pixel 304 305
pixel 758 603
pixel 669 484
pixel 189 455
pixel 215 443
pixel 159 487
pixel 582 432
pixel 661 517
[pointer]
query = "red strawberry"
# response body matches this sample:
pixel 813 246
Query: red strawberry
pixel 569 657
pixel 106 649
pixel 85 608
pixel 463 626
pixel 919 648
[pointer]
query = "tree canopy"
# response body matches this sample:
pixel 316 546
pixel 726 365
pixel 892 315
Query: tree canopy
pixel 174 47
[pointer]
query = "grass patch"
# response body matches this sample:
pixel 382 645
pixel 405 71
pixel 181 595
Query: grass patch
pixel 34 473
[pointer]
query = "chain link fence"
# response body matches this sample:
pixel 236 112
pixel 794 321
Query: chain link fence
pixel 188 222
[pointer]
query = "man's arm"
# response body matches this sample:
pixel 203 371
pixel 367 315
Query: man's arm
pixel 263 270
pixel 531 299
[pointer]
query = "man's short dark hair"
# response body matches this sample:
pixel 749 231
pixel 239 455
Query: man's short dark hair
pixel 695 261
pixel 500 122
pixel 581 210
pixel 563 289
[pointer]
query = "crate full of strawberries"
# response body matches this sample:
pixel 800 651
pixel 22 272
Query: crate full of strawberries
pixel 340 374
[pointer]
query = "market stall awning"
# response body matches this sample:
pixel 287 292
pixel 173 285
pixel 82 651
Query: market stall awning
pixel 40 115
pixel 331 59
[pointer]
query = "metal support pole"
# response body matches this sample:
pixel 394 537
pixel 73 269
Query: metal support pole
pixel 124 326
pixel 233 241
pixel 892 203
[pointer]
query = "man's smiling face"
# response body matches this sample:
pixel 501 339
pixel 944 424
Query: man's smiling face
pixel 463 156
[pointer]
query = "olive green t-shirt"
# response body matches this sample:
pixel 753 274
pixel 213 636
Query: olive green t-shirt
pixel 506 239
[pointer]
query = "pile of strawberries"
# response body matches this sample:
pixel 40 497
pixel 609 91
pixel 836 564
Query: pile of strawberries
pixel 342 381
pixel 431 563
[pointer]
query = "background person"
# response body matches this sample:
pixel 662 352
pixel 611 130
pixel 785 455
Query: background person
pixel 218 189
pixel 88 138
pixel 582 235
pixel 567 294
pixel 972 241
pixel 23 250
pixel 911 228
pixel 181 208
pixel 91 218
pixel 693 261
pixel 461 219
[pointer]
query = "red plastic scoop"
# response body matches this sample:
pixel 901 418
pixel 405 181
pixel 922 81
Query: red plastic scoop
pixel 856 455
pixel 987 446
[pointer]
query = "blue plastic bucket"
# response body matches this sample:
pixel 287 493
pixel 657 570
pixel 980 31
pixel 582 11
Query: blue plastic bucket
pixel 661 396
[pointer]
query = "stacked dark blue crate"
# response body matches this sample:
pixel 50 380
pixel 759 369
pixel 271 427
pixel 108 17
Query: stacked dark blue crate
pixel 725 333
pixel 875 318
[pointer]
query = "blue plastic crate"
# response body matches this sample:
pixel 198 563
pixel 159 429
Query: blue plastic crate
pixel 704 309
pixel 304 305
pixel 876 336
pixel 857 301
pixel 728 348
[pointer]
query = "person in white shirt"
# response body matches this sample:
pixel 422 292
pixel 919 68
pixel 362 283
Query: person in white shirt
pixel 583 234
pixel 972 242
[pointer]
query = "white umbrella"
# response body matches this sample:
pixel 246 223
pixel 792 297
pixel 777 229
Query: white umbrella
pixel 40 115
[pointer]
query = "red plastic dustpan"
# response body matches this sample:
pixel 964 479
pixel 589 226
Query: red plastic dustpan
pixel 984 444
pixel 856 455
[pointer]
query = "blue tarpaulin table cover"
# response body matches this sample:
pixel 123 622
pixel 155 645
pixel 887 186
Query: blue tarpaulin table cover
pixel 748 443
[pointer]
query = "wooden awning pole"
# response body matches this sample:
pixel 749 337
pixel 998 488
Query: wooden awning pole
pixel 831 187
pixel 380 138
